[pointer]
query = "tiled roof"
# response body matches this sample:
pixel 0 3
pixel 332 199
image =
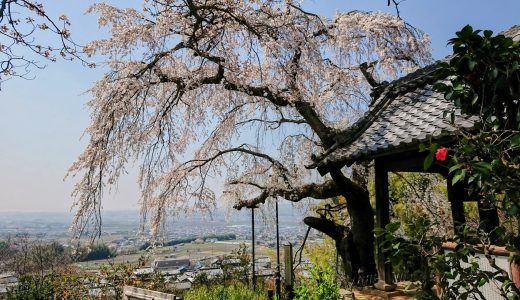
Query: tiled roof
pixel 395 123
pixel 405 113
pixel 513 32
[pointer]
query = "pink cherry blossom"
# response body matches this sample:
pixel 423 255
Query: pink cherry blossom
pixel 225 99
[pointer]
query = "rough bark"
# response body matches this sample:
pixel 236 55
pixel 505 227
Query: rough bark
pixel 344 242
pixel 356 248
pixel 362 220
pixel 325 190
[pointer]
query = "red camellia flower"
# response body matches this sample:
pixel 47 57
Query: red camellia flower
pixel 441 154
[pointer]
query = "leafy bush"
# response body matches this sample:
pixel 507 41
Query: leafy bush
pixel 65 286
pixel 456 273
pixel 322 285
pixel 79 284
pixel 484 81
pixel 234 291
pixel 100 251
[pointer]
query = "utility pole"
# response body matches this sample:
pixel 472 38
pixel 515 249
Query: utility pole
pixel 253 245
pixel 278 283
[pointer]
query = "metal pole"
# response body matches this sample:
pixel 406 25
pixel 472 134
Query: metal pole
pixel 278 288
pixel 253 244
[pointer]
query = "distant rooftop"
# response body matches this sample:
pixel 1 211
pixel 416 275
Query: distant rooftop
pixel 171 263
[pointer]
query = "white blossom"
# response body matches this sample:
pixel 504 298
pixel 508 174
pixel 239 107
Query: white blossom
pixel 217 90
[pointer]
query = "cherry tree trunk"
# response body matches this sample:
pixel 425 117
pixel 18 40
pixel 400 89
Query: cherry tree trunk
pixel 356 247
pixel 362 229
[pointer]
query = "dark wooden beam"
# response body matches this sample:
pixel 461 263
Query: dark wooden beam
pixel 456 196
pixel 412 161
pixel 382 218
pixel 489 220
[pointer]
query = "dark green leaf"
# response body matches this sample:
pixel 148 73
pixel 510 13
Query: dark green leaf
pixel 428 161
pixel 482 166
pixel 474 99
pixel 515 141
pixel 455 167
pixel 493 73
pixel 393 226
pixel 471 65
pixel 460 175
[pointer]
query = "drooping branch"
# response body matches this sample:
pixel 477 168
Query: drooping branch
pixel 198 163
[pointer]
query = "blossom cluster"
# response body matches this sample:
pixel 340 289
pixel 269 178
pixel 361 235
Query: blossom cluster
pixel 202 93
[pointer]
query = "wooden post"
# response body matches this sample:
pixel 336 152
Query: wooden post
pixel 515 272
pixel 456 196
pixel 384 268
pixel 289 273
pixel 488 216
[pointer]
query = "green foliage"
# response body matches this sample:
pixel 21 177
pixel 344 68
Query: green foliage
pixel 234 291
pixel 420 195
pixel 487 76
pixel 97 252
pixel 235 272
pixel 322 284
pixel 65 286
pixel 238 272
pixel 31 288
pixel 485 82
pixel 484 76
pixel 35 256
pixel 430 158
pixel 456 273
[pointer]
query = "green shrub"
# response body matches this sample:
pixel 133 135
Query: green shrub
pixel 100 251
pixel 322 285
pixel 233 291
pixel 65 286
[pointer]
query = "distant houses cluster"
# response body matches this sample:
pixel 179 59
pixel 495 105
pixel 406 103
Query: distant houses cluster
pixel 181 272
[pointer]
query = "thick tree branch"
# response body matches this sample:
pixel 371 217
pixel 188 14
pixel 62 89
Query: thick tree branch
pixel 368 75
pixel 273 124
pixel 348 187
pixel 325 190
pixel 336 231
pixel 323 131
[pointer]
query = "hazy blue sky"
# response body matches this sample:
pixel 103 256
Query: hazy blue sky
pixel 42 120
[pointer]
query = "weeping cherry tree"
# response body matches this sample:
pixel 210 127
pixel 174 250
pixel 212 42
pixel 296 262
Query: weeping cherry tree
pixel 239 91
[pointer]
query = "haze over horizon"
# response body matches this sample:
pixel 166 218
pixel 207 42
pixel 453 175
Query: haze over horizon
pixel 44 118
